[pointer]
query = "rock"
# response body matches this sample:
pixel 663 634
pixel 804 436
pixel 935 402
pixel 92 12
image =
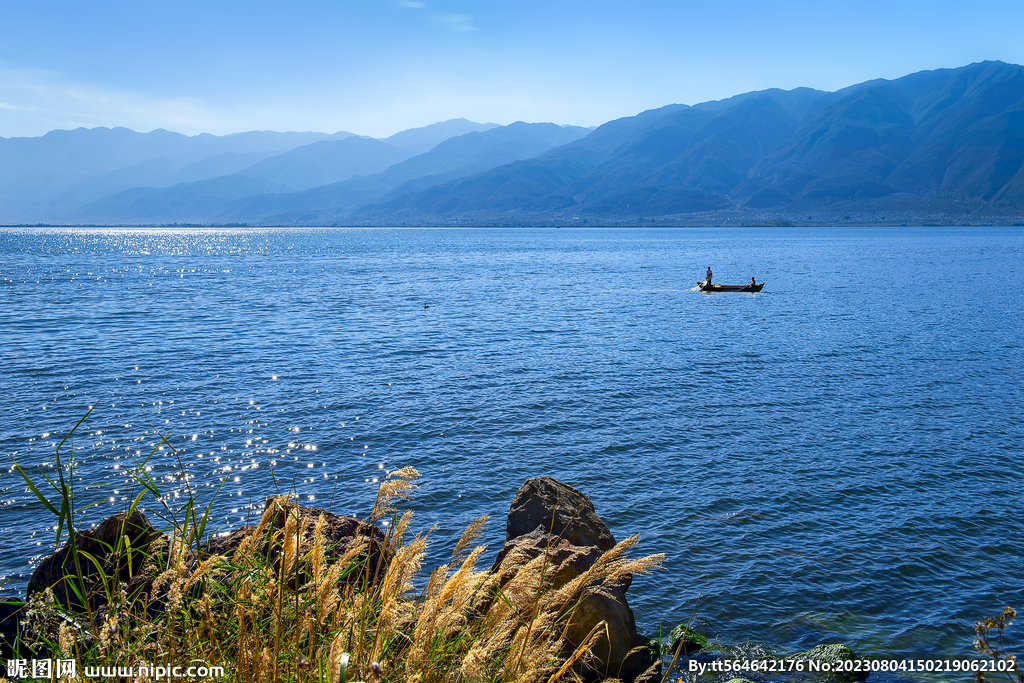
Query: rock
pixel 833 655
pixel 611 608
pixel 224 545
pixel 739 680
pixel 567 560
pixel 339 533
pixel 642 663
pixel 118 532
pixel 12 611
pixel 151 551
pixel 560 509
pixel 549 516
pixel 692 641
pixel 164 552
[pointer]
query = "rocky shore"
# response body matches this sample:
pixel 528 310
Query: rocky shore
pixel 547 518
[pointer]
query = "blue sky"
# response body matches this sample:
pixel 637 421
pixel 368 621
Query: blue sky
pixel 375 67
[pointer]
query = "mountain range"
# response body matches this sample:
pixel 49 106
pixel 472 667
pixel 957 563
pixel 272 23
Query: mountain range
pixel 947 143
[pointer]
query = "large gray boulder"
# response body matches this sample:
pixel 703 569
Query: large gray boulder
pixel 559 509
pixel 566 562
pixel 547 516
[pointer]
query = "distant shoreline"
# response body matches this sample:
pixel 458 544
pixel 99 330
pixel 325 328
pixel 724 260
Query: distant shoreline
pixel 795 221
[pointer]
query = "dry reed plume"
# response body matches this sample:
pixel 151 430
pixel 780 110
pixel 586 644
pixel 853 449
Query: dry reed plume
pixel 285 606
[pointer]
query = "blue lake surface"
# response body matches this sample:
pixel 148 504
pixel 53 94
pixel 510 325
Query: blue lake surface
pixel 837 458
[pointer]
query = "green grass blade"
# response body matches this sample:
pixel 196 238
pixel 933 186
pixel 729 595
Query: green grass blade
pixel 75 427
pixel 38 494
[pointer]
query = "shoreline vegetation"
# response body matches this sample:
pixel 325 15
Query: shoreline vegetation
pixel 306 595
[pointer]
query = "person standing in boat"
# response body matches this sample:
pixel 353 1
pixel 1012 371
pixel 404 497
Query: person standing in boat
pixel 707 276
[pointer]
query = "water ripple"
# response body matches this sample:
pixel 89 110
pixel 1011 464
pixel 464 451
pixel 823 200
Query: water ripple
pixel 837 456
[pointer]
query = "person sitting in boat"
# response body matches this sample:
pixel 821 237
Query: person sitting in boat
pixel 752 283
pixel 707 276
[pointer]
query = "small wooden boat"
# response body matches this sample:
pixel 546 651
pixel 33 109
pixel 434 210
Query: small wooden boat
pixel 705 287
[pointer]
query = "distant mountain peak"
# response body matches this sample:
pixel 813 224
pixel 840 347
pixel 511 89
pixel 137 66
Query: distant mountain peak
pixel 423 139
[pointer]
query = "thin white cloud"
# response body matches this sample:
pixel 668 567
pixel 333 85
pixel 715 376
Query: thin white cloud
pixel 456 22
pixel 411 4
pixel 58 103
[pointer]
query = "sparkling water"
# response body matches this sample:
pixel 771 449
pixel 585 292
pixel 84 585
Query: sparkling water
pixel 835 459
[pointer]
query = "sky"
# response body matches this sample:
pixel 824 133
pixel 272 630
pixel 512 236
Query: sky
pixel 375 67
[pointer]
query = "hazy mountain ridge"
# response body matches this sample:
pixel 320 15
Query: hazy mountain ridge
pixel 181 203
pixel 312 165
pixel 420 140
pixel 455 157
pixel 949 142
pixel 55 176
pixel 47 177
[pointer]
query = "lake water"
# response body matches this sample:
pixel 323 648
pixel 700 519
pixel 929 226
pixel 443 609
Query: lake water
pixel 838 457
